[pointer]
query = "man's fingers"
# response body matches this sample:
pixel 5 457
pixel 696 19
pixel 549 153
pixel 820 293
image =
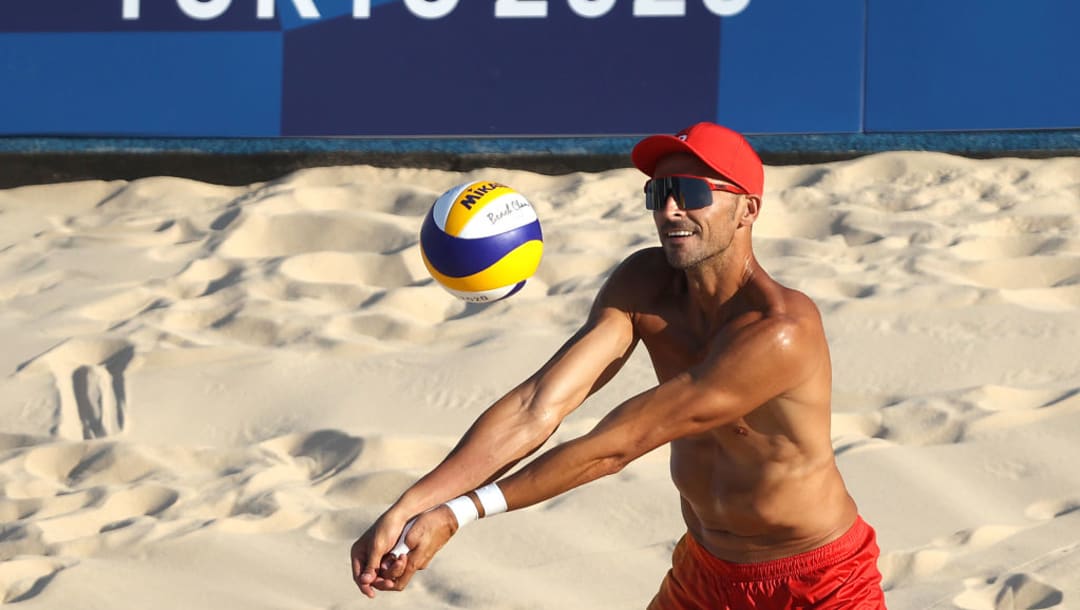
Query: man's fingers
pixel 385 584
pixel 406 576
pixel 366 577
pixel 367 582
pixel 366 587
pixel 365 567
pixel 387 563
pixel 362 576
pixel 396 572
pixel 357 567
pixel 395 568
pixel 418 559
pixel 373 565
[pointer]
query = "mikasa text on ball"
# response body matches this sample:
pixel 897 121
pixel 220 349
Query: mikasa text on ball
pixel 481 241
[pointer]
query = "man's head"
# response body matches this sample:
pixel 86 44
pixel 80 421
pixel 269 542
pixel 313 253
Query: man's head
pixel 705 190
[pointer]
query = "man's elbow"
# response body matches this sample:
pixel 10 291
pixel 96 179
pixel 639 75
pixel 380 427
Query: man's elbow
pixel 544 420
pixel 609 465
pixel 532 428
pixel 615 464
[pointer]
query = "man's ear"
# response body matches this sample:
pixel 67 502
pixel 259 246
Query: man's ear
pixel 750 213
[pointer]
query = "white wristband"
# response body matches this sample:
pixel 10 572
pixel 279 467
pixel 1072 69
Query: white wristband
pixel 492 499
pixel 464 510
pixel 401 549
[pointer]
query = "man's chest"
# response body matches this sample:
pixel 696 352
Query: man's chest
pixel 676 344
pixel 673 347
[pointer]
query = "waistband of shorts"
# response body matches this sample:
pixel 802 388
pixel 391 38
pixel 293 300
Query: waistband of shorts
pixel 824 556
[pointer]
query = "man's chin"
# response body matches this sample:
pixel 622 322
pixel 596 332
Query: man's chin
pixel 678 260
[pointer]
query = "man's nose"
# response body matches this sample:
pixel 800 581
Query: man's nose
pixel 671 208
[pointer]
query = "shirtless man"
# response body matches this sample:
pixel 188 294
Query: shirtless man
pixel 743 400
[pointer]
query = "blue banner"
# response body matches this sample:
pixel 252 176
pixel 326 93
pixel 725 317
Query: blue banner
pixel 401 68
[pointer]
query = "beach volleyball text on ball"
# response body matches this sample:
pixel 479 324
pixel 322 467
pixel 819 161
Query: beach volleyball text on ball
pixel 481 241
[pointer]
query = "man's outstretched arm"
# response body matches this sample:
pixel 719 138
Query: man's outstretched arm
pixel 511 429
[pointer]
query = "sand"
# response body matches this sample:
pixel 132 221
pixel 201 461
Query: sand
pixel 208 392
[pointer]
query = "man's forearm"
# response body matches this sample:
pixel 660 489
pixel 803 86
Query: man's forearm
pixel 630 430
pixel 559 470
pixel 500 437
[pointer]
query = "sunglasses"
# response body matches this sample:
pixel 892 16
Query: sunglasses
pixel 689 192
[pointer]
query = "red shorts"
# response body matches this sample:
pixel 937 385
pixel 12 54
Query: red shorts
pixel 841 574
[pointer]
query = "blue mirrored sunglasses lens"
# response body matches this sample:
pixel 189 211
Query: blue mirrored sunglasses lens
pixel 689 193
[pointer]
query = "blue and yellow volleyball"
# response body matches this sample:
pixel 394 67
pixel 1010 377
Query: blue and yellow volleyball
pixel 481 241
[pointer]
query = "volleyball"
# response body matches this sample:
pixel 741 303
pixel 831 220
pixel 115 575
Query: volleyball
pixel 481 241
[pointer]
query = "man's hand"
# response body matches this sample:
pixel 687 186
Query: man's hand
pixel 430 532
pixel 370 554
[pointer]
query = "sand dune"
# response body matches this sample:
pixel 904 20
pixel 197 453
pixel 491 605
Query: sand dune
pixel 208 392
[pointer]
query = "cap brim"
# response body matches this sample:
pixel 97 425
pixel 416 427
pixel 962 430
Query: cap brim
pixel 649 151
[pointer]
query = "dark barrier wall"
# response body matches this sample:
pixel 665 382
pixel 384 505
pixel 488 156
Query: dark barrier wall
pixel 258 68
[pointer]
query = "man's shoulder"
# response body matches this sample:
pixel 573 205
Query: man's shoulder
pixel 781 301
pixel 647 266
pixel 792 320
pixel 650 258
pixel 637 280
pixel 799 305
pixel 782 310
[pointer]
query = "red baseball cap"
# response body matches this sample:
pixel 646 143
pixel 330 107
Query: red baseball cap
pixel 720 148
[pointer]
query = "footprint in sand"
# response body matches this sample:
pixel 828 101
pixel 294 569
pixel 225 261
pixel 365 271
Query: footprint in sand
pixel 118 509
pixel 46 506
pixel 379 473
pixel 268 236
pixel 914 421
pixel 74 466
pixel 926 420
pixel 905 566
pixel 369 268
pixel 89 378
pixel 322 454
pixel 1008 275
pixel 348 281
pixel 1012 407
pixel 1051 509
pixel 977 248
pixel 203 277
pixel 1017 591
pixel 79 498
pixel 120 307
pixel 901 567
pixel 384 467
pixel 857 431
pixel 1064 297
pixel 277 485
pixel 22 578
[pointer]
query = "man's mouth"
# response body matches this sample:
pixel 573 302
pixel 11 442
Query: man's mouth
pixel 677 233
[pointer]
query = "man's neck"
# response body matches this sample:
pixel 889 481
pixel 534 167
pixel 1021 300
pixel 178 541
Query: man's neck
pixel 713 286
